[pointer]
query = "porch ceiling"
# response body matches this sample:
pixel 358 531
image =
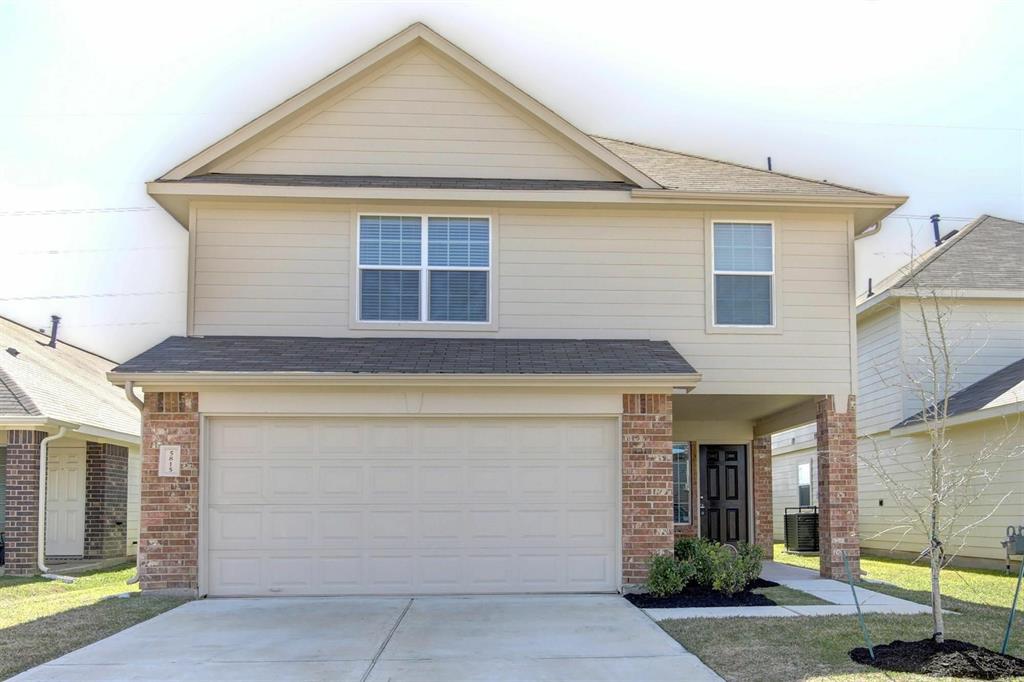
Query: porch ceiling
pixel 752 408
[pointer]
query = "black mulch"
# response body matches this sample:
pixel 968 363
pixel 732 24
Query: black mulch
pixel 703 597
pixel 952 658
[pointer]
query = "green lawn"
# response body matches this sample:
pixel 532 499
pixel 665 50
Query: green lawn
pixel 816 648
pixel 42 619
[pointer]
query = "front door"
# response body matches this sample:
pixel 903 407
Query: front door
pixel 65 502
pixel 723 493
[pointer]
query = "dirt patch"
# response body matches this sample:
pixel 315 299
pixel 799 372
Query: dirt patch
pixel 952 658
pixel 696 596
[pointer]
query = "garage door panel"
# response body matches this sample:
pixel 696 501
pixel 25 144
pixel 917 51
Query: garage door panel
pixel 396 506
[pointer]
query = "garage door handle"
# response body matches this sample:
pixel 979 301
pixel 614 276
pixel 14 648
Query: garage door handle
pixel 275 589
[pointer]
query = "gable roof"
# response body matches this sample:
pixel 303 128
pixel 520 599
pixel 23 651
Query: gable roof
pixel 690 173
pixel 417 34
pixel 984 255
pixel 1002 387
pixel 64 383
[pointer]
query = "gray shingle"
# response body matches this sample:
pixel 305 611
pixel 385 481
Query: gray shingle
pixel 408 356
pixel 979 394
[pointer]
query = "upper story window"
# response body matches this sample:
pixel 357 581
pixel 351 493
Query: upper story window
pixel 424 268
pixel 744 274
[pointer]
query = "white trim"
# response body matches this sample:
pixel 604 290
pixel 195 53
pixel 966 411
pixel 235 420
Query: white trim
pixel 752 273
pixel 1010 410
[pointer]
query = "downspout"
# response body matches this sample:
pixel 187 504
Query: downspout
pixel 41 525
pixel 129 392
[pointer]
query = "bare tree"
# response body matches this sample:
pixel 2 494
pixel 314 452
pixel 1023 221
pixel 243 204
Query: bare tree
pixel 941 495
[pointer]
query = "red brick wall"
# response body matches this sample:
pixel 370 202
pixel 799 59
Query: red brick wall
pixel 169 523
pixel 837 488
pixel 647 526
pixel 761 463
pixel 106 500
pixel 22 506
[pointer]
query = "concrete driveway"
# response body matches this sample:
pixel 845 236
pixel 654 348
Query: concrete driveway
pixel 582 637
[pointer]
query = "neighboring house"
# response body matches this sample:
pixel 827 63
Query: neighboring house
pixel 55 397
pixel 441 341
pixel 978 275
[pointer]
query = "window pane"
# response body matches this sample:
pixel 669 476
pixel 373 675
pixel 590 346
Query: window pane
pixel 743 247
pixel 458 242
pixel 389 240
pixel 681 482
pixel 458 296
pixel 389 295
pixel 803 474
pixel 804 495
pixel 743 299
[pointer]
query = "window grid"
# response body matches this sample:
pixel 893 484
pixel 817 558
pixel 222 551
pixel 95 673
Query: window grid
pixel 734 270
pixel 681 482
pixel 478 240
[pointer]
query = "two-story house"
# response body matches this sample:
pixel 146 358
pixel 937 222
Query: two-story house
pixel 974 281
pixel 439 340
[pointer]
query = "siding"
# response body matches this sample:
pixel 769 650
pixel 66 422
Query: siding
pixel 784 484
pixel 419 116
pixel 134 499
pixel 880 525
pixel 560 273
pixel 879 371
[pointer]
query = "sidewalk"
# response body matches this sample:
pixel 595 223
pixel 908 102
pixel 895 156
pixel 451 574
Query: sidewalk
pixel 834 591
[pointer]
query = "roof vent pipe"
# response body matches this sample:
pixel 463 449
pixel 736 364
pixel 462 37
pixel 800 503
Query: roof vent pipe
pixel 870 291
pixel 935 229
pixel 54 323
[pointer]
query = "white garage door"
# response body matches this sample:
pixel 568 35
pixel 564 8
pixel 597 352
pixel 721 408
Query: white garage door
pixel 411 505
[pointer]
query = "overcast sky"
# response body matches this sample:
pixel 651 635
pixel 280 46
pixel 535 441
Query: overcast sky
pixel 919 99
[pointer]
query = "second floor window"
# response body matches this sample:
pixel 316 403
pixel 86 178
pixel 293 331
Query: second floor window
pixel 744 274
pixel 424 268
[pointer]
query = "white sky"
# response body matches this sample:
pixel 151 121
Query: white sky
pixel 98 97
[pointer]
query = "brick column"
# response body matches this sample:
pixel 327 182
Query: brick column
pixel 761 461
pixel 106 501
pixel 169 523
pixel 646 482
pixel 22 505
pixel 837 488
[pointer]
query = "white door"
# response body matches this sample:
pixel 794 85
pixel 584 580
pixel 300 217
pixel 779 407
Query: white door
pixel 65 502
pixel 411 506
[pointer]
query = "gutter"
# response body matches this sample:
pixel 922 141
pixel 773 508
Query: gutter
pixel 1010 410
pixel 41 524
pixel 129 393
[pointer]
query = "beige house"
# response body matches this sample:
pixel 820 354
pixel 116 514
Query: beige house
pixel 440 340
pixel 978 276
pixel 59 414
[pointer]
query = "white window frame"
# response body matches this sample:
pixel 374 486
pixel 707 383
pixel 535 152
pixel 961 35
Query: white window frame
pixel 689 483
pixel 424 269
pixel 810 483
pixel 773 280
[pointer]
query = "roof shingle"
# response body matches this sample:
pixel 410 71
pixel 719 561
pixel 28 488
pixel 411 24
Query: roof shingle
pixel 1002 387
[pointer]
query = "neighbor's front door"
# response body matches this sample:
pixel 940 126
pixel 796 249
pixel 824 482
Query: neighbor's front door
pixel 65 502
pixel 723 493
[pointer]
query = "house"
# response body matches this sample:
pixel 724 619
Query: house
pixel 439 340
pixel 977 276
pixel 57 407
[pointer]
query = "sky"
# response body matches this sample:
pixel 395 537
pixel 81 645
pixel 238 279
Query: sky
pixel 920 99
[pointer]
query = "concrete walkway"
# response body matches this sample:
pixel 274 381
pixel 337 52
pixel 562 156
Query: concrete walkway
pixel 353 639
pixel 833 591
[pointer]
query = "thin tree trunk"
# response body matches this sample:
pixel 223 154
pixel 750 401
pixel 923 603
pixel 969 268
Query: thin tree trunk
pixel 936 566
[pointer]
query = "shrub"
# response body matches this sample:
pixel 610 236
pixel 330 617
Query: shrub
pixel 667 576
pixel 733 572
pixel 699 554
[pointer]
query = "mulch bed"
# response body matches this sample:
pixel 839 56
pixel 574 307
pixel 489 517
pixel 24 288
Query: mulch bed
pixel 952 658
pixel 696 596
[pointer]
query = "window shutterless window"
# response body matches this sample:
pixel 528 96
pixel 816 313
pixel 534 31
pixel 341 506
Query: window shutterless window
pixel 681 482
pixel 744 274
pixel 424 269
pixel 803 484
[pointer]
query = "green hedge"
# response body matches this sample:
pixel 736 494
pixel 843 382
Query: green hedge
pixel 709 564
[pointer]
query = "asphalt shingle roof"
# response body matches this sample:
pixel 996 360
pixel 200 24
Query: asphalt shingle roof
pixel 1002 387
pixel 408 356
pixel 64 383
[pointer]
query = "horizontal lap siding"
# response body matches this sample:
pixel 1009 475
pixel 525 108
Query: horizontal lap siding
pixel 419 117
pixel 567 273
pixel 880 372
pixel 785 491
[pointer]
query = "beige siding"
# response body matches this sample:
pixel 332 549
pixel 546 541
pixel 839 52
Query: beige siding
pixel 134 499
pixel 559 273
pixel 423 116
pixel 879 371
pixel 882 527
pixel 784 484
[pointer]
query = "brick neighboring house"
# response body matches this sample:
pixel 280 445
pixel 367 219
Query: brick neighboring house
pixel 439 340
pixel 55 402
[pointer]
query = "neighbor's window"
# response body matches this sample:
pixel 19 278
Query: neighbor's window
pixel 401 281
pixel 681 482
pixel 803 484
pixel 744 272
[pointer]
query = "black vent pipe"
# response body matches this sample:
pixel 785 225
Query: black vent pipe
pixel 935 229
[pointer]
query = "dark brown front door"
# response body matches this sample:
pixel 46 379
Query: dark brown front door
pixel 723 493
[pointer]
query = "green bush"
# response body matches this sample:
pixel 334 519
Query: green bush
pixel 667 576
pixel 733 572
pixel 699 554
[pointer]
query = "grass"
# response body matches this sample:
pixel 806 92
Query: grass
pixel 816 648
pixel 43 619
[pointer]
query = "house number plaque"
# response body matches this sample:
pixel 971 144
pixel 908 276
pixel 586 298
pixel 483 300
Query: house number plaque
pixel 170 460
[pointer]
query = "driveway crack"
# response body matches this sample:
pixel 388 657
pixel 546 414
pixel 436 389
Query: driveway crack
pixel 384 644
